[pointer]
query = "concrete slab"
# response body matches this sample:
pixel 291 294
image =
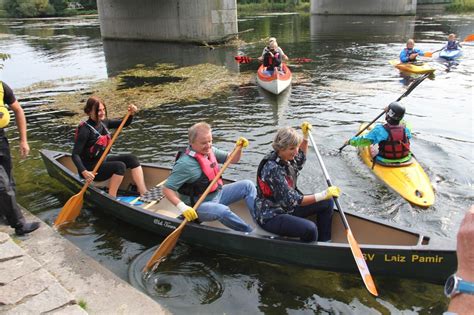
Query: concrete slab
pixel 84 278
pixel 15 268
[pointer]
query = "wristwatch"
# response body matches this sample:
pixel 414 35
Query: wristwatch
pixel 455 285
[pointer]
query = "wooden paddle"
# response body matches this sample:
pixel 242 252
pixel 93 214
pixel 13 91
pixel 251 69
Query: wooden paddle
pixel 412 86
pixel 468 38
pixel 356 252
pixel 170 241
pixel 73 206
pixel 247 59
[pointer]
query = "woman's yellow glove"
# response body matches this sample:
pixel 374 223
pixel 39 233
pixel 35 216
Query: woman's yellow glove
pixel 329 193
pixel 242 142
pixel 305 128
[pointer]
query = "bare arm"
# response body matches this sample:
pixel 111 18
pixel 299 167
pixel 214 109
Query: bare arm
pixel 464 303
pixel 171 195
pixel 21 125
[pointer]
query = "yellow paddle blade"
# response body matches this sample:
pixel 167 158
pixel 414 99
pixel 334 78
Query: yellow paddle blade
pixel 71 209
pixel 469 38
pixel 165 247
pixel 428 54
pixel 361 264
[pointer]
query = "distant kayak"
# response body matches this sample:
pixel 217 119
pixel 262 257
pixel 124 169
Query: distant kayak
pixel 418 67
pixel 275 83
pixel 407 179
pixel 450 54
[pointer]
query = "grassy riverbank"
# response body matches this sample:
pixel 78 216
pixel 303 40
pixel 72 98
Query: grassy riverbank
pixel 267 7
pixel 461 6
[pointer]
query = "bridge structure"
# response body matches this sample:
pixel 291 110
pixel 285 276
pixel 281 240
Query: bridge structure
pixel 210 21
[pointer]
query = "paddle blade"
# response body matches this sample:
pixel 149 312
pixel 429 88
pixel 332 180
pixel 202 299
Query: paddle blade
pixel 165 247
pixel 469 38
pixel 428 54
pixel 361 264
pixel 243 59
pixel 301 60
pixel 71 209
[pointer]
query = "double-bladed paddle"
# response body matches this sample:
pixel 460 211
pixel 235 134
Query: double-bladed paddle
pixel 170 241
pixel 247 59
pixel 73 206
pixel 412 86
pixel 356 252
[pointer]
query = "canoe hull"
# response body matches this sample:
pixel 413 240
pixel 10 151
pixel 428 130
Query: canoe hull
pixel 412 68
pixel 410 181
pixel 450 54
pixel 276 83
pixel 419 258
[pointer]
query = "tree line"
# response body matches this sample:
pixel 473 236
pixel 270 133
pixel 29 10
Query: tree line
pixel 50 8
pixel 46 8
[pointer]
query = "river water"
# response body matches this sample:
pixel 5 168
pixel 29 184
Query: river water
pixel 349 81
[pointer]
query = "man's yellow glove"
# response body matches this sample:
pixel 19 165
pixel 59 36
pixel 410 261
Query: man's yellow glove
pixel 242 142
pixel 305 128
pixel 188 212
pixel 329 193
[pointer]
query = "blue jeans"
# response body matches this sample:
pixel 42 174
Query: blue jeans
pixel 296 224
pixel 218 209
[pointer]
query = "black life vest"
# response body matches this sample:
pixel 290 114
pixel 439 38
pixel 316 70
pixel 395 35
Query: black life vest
pixel 263 189
pixel 101 141
pixel 271 62
pixel 397 145
pixel 209 167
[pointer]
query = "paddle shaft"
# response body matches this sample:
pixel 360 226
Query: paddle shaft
pixel 170 241
pixel 355 249
pixel 412 86
pixel 68 212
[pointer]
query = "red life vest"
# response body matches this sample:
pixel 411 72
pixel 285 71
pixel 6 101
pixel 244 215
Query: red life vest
pixel 101 141
pixel 263 189
pixel 397 145
pixel 209 167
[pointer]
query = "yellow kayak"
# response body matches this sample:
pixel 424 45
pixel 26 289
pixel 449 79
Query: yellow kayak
pixel 410 181
pixel 418 68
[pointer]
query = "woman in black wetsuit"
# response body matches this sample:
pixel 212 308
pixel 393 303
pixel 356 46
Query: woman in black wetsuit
pixel 90 141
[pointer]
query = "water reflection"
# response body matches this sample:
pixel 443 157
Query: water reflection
pixel 206 278
pixel 361 28
pixel 122 55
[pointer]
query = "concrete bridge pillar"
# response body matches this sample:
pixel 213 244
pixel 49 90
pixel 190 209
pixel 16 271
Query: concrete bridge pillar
pixel 168 20
pixel 364 7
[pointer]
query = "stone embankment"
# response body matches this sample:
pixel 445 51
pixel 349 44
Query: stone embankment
pixel 42 272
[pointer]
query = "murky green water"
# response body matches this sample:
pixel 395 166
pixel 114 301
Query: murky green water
pixel 350 82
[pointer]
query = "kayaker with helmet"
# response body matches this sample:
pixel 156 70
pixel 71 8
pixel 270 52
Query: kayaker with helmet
pixel 91 139
pixel 192 173
pixel 393 137
pixel 409 53
pixel 272 56
pixel 280 207
pixel 9 208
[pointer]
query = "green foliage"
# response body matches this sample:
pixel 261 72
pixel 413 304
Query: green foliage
pixel 88 4
pixel 28 8
pixel 248 7
pixel 83 304
pixel 460 6
pixel 44 8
